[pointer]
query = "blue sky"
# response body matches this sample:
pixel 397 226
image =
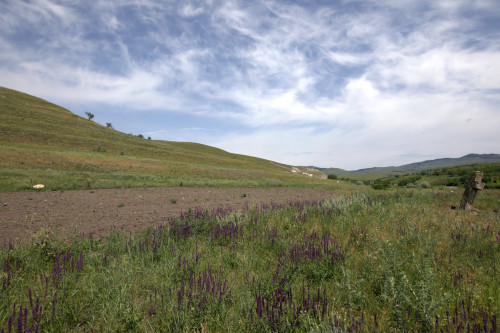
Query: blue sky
pixel 347 84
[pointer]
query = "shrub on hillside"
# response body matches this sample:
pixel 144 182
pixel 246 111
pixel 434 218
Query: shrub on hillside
pixel 453 182
pixel 380 186
pixel 89 115
pixel 425 185
pixel 405 181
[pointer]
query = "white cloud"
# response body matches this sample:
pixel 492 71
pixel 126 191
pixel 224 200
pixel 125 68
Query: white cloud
pixel 138 90
pixel 347 59
pixel 379 80
pixel 38 13
pixel 190 11
pixel 385 132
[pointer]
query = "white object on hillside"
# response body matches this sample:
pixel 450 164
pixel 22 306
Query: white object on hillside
pixel 38 186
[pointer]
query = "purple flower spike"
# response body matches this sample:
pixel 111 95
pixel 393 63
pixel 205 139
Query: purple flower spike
pixel 9 325
pixel 20 323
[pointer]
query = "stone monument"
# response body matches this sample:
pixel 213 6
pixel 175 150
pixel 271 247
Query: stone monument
pixel 472 185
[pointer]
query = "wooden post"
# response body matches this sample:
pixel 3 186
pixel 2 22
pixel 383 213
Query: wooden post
pixel 473 185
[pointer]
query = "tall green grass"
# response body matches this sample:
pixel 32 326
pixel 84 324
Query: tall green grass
pixel 24 179
pixel 397 261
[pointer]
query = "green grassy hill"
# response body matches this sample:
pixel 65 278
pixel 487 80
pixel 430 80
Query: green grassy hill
pixel 456 176
pixel 436 164
pixel 452 176
pixel 379 172
pixel 41 142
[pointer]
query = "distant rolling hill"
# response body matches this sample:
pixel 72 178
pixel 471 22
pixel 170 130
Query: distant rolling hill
pixel 41 142
pixel 418 166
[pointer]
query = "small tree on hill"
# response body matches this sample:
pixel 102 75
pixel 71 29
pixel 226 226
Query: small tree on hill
pixel 89 115
pixel 109 125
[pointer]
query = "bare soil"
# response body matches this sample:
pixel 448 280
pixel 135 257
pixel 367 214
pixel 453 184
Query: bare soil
pixel 25 215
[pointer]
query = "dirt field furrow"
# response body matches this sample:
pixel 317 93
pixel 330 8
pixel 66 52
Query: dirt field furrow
pixel 24 215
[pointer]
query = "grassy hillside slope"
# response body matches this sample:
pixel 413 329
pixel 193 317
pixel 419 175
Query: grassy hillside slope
pixel 436 164
pixel 41 142
pixel 379 172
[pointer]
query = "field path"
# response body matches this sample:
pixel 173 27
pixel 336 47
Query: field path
pixel 63 214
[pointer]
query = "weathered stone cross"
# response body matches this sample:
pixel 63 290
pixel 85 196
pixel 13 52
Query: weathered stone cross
pixel 473 185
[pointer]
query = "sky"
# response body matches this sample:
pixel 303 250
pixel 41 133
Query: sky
pixel 330 83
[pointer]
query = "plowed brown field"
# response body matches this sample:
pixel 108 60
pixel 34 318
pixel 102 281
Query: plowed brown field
pixel 24 215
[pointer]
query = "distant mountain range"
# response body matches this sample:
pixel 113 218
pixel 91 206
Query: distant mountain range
pixel 418 166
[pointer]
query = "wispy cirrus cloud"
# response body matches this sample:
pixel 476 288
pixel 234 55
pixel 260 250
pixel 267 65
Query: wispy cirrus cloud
pixel 374 82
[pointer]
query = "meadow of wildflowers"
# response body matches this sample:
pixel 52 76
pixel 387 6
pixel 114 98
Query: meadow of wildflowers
pixel 396 261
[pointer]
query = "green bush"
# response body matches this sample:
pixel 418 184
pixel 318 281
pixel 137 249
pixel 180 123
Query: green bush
pixel 404 181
